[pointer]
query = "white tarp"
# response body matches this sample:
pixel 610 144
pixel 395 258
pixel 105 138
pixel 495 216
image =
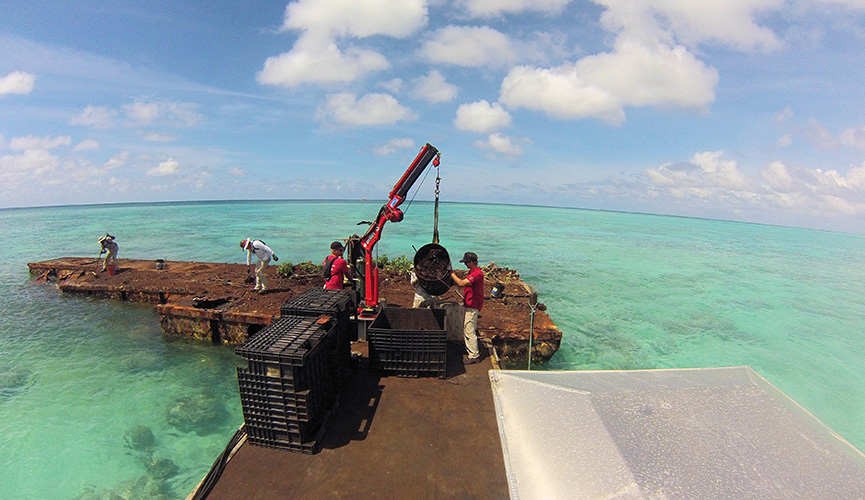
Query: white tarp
pixel 709 433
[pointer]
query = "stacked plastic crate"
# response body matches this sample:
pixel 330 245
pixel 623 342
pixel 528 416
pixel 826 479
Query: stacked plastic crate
pixel 288 389
pixel 410 342
pixel 338 304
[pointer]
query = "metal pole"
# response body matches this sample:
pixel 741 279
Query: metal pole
pixel 436 223
pixel 531 335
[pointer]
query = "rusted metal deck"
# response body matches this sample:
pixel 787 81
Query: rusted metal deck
pixel 389 438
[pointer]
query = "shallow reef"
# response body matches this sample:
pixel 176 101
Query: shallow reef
pixel 198 413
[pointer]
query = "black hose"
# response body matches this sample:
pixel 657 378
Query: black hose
pixel 210 480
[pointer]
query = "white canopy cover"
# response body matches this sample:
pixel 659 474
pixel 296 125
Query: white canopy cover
pixel 707 433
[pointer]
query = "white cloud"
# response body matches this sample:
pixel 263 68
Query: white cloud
pixel 17 82
pixel 371 109
pixel 237 172
pixel 434 88
pixel 394 145
pixel 101 117
pixel 313 60
pixel 731 23
pixel 86 172
pixel 543 47
pixel 356 18
pixel 86 145
pixel 600 86
pixel 850 4
pixel 32 142
pixel 158 137
pixel 651 63
pixel 854 137
pixel 393 86
pixel 32 165
pixel 316 57
pixel 705 170
pixel 783 115
pixel 491 8
pixel 168 167
pixel 117 160
pixel 170 113
pixel 481 117
pixel 819 135
pixel 709 178
pixel 142 112
pixel 468 46
pixel 500 144
pixel 778 177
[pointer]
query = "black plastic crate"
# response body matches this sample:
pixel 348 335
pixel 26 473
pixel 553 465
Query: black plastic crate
pixel 294 348
pixel 265 395
pixel 320 301
pixel 409 363
pixel 409 341
pixel 339 304
pixel 271 438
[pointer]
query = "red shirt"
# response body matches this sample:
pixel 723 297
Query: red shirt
pixel 474 292
pixel 337 271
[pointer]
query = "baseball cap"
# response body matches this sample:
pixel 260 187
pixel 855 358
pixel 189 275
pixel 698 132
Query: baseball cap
pixel 469 257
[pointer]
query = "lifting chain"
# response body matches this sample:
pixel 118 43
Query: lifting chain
pixel 436 218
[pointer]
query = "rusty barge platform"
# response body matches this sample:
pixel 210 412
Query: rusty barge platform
pixel 211 301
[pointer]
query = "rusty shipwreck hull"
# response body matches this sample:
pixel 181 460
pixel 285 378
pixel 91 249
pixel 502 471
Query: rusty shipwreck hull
pixel 212 301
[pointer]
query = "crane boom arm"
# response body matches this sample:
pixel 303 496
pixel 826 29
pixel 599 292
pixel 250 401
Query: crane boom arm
pixel 391 212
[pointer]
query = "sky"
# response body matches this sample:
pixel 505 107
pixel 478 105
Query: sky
pixel 744 110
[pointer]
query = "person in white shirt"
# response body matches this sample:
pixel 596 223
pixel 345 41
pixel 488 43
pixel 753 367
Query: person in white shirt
pixel 110 246
pixel 264 254
pixel 422 298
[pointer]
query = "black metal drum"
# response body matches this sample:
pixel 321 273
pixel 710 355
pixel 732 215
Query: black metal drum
pixel 432 266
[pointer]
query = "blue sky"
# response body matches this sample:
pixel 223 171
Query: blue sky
pixel 749 110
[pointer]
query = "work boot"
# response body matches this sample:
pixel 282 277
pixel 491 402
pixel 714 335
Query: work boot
pixel 471 361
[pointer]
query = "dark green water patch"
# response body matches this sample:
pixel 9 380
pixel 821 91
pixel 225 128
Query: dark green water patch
pixel 201 413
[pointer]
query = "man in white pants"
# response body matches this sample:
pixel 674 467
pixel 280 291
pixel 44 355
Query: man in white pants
pixel 422 298
pixel 473 301
pixel 264 254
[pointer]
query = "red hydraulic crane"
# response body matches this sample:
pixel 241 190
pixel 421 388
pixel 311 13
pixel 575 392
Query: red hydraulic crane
pixel 391 212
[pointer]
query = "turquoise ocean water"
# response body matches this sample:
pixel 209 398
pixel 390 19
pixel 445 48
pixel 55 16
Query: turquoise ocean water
pixel 95 400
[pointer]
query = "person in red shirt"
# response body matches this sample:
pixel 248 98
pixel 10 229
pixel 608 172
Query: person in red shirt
pixel 473 301
pixel 338 267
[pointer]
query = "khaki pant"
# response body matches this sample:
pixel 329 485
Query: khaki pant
pixel 470 330
pixel 110 259
pixel 421 301
pixel 260 282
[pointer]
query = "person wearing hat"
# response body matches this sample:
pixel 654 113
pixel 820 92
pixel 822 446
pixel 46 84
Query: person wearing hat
pixel 264 254
pixel 335 267
pixel 108 245
pixel 473 301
